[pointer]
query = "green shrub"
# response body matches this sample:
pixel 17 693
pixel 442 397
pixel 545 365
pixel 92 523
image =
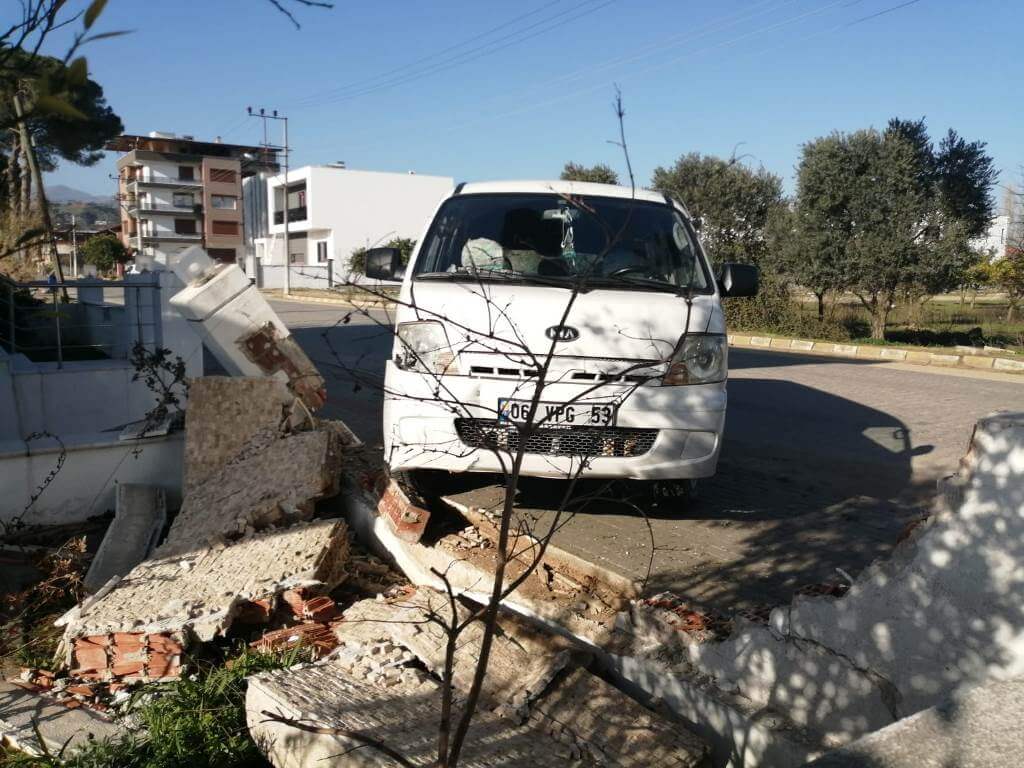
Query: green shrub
pixel 198 721
pixel 773 311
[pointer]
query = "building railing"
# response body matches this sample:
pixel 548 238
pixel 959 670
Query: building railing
pixel 166 234
pixel 79 319
pixel 167 180
pixel 294 214
pixel 195 210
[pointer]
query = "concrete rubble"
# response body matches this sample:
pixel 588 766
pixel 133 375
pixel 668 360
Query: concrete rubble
pixel 243 537
pixel 522 663
pixel 140 514
pixel 537 708
pixel 27 716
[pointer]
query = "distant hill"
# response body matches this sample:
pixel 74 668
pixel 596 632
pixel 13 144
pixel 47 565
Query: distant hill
pixel 59 193
pixel 87 214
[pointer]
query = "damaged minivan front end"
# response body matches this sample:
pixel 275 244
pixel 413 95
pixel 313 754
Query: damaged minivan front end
pixel 577 322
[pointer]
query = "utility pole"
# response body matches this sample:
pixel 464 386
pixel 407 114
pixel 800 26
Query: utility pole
pixel 37 177
pixel 262 114
pixel 74 246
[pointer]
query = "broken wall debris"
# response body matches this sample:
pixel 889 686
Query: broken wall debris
pixel 226 415
pixel 274 484
pixel 522 661
pixel 26 717
pixel 140 513
pixel 239 327
pixel 376 691
pixel 201 590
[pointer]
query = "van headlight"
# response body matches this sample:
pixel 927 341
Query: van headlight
pixel 702 358
pixel 424 347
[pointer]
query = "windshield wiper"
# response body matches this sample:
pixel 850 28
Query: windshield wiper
pixel 652 283
pixel 495 274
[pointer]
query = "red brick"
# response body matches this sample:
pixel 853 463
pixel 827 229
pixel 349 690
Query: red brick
pixel 295 599
pixel 126 668
pixel 319 636
pixel 81 690
pixel 71 703
pixel 128 642
pixel 163 644
pixel 320 609
pixel 90 658
pixel 161 666
pixel 407 520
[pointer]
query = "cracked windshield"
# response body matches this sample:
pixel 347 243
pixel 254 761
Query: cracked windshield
pixel 556 240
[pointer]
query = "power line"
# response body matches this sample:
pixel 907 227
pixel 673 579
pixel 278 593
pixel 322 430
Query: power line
pixel 383 75
pixel 465 56
pixel 883 12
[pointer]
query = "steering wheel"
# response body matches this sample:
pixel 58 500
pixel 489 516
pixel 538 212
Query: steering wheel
pixel 628 270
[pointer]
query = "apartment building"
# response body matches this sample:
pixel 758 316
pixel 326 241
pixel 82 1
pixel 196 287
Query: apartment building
pixel 176 192
pixel 332 210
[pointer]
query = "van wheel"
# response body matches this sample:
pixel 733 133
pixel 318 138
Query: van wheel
pixel 420 485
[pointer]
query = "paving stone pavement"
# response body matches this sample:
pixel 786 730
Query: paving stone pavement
pixel 824 463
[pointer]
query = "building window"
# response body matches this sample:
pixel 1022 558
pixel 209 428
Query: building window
pixel 184 200
pixel 185 226
pixel 224 201
pixel 321 251
pixel 186 173
pixel 224 227
pixel 222 175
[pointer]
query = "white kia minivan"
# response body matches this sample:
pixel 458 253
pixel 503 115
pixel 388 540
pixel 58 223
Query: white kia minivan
pixel 579 320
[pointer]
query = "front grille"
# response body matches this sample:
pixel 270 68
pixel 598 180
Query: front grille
pixel 558 441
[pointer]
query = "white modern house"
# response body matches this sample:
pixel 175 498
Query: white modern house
pixel 333 210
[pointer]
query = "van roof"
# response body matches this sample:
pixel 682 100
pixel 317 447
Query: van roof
pixel 559 187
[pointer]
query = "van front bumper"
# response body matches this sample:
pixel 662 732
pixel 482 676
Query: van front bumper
pixel 420 431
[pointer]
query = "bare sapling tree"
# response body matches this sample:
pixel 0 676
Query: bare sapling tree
pixel 535 433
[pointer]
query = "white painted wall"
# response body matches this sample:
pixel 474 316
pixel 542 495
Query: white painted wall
pixel 86 404
pixel 351 209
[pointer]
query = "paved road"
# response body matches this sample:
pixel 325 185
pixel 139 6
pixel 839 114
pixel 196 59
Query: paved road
pixel 824 463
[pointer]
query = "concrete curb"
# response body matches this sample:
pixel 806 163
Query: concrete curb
pixel 919 356
pixel 336 302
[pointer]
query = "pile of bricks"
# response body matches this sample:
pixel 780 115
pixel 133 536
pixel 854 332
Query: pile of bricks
pixel 127 656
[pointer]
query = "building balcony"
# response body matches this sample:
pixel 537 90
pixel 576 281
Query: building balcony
pixel 135 209
pixel 181 237
pixel 294 214
pixel 165 181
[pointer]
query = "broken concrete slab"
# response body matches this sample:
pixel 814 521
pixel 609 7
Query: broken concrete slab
pixel 980 728
pixel 199 591
pixel 140 514
pixel 605 722
pixel 403 713
pixel 522 662
pixel 227 415
pixel 739 730
pixel 269 483
pixel 23 711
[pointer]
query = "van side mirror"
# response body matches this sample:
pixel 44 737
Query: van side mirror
pixel 737 280
pixel 384 264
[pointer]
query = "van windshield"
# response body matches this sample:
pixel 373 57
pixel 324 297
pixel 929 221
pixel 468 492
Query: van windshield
pixel 556 240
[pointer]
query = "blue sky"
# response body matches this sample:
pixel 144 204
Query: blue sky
pixel 434 87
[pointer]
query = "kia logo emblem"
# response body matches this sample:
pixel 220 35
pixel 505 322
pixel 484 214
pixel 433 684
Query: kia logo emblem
pixel 562 333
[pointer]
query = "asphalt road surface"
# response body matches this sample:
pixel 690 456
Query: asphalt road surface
pixel 824 463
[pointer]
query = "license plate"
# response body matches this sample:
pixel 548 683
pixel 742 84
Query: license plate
pixel 558 414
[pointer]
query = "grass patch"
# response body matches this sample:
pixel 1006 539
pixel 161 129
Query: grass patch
pixel 197 722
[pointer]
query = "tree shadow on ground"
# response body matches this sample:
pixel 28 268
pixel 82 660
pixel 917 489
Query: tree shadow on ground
pixel 795 499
